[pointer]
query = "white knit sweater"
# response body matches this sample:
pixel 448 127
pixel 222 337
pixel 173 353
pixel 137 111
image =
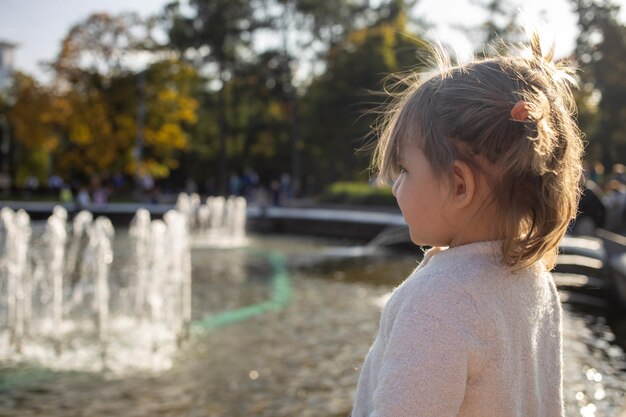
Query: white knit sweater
pixel 464 336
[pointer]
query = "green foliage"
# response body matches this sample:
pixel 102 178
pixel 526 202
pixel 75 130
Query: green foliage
pixel 99 124
pixel 86 123
pixel 218 33
pixel 223 26
pixel 32 119
pixel 32 162
pixel 331 22
pixel 257 121
pixel 358 193
pixel 33 114
pixel 600 51
pixel 258 118
pixel 340 107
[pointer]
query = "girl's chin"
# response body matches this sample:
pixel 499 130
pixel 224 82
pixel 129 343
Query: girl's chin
pixel 417 241
pixel 424 242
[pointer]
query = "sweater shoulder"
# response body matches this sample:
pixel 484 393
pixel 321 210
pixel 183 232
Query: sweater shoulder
pixel 446 282
pixel 446 293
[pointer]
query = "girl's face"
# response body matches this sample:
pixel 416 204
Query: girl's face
pixel 423 199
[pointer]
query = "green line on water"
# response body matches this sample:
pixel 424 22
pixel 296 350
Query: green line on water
pixel 281 294
pixel 27 376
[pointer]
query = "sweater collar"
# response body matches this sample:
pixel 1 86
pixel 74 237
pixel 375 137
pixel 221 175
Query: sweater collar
pixel 492 248
pixel 490 251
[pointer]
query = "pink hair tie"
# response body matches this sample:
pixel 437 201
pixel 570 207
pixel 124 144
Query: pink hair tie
pixel 520 111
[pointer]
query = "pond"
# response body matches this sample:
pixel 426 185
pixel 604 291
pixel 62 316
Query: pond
pixel 281 328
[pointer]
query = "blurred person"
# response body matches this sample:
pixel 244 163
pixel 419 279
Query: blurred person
pixel 31 184
pixel 156 196
pixel 251 184
pixel 234 184
pixel 597 172
pixel 618 173
pixel 209 186
pixel 55 183
pixel 191 187
pixel 99 193
pixel 117 181
pixel 5 183
pixel 285 186
pixel 65 195
pixel 83 199
pixel 275 191
pixel 615 202
pixel 591 211
pixel 146 182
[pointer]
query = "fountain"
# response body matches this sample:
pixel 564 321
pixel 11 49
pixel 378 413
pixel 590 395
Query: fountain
pixel 16 277
pixel 162 282
pixel 64 305
pixel 217 223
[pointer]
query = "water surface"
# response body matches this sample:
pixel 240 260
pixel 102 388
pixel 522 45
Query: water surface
pixel 299 358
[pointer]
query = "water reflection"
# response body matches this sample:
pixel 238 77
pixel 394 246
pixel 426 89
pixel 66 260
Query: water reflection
pixel 594 366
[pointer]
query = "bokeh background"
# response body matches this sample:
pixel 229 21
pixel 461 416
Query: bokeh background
pixel 211 96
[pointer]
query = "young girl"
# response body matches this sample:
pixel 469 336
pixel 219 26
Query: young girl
pixel 487 165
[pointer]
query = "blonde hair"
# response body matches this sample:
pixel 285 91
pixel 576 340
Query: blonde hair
pixel 464 112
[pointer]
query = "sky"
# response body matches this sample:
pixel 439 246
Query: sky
pixel 38 26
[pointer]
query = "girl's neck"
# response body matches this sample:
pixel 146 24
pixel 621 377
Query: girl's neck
pixel 478 227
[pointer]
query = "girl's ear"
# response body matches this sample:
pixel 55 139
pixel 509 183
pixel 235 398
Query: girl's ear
pixel 464 186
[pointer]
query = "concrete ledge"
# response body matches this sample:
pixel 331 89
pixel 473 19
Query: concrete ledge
pixel 315 214
pixel 352 224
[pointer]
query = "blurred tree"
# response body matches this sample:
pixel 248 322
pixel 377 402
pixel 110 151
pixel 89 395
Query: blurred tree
pixel 328 22
pixel 98 100
pixel 258 123
pixel 101 124
pixel 101 44
pixel 263 117
pixel 33 121
pixel 326 30
pixel 600 52
pixel 170 89
pixel 500 27
pixel 250 117
pixel 32 114
pixel 216 35
pixel 339 104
